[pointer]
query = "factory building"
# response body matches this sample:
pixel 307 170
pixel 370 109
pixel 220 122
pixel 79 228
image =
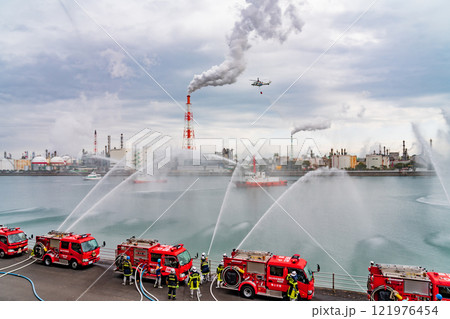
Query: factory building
pixel 377 161
pixel 6 164
pixel 341 160
pixel 22 164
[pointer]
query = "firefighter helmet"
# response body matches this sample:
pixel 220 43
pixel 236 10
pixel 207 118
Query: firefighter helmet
pixel 293 273
pixel 172 271
pixel 128 257
pixel 159 260
pixel 194 269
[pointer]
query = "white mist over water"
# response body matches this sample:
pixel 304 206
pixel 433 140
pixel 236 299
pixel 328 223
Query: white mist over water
pixel 356 219
pixel 101 189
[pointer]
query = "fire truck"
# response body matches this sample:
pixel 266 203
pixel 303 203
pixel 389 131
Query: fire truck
pixel 397 282
pixel 263 273
pixel 67 249
pixel 146 252
pixel 13 241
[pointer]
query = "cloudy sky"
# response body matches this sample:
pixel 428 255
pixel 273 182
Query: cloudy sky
pixel 362 71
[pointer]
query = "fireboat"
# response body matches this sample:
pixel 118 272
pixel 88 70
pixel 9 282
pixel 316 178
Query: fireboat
pixel 255 179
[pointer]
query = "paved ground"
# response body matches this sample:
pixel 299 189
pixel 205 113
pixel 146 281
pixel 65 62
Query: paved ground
pixel 100 283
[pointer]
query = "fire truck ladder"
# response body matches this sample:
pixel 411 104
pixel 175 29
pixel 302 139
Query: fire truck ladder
pixel 252 255
pixel 58 234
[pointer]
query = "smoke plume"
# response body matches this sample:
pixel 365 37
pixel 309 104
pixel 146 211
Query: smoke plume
pixel 319 124
pixel 268 21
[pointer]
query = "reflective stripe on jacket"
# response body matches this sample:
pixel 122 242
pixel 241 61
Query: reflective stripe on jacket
pixel 172 281
pixel 194 280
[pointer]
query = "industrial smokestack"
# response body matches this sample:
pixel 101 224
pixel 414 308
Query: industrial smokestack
pixel 384 150
pixel 431 143
pixel 95 142
pixel 292 147
pixel 121 141
pixel 188 134
pixel 263 18
pixel 109 146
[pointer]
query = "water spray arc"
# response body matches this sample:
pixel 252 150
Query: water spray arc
pixel 101 182
pixel 101 200
pixel 429 153
pixel 276 203
pixel 225 200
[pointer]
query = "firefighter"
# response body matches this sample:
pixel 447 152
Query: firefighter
pixel 204 265
pixel 172 283
pixel 439 297
pixel 127 271
pixel 219 274
pixel 194 282
pixel 158 275
pixel 292 292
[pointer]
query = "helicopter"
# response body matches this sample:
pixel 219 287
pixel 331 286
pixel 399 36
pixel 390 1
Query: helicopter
pixel 259 83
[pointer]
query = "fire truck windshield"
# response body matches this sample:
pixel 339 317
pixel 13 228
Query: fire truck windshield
pixel 444 291
pixel 184 258
pixel 15 238
pixel 89 245
pixel 308 272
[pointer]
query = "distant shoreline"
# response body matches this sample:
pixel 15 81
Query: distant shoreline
pixel 227 173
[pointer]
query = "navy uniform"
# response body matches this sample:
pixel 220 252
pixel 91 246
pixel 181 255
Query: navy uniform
pixel 127 271
pixel 204 266
pixel 172 283
pixel 194 282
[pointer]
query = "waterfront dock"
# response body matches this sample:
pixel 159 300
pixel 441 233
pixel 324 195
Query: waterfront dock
pixel 99 282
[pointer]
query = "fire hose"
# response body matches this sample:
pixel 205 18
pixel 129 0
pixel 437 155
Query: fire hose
pixel 144 292
pixel 394 295
pixel 232 276
pixel 21 276
pixel 135 282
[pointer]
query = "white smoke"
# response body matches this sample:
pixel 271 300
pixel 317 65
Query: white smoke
pixel 265 18
pixel 313 125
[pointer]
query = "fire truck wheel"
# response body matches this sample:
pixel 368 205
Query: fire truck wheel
pixel 2 254
pixel 73 264
pixel 47 261
pixel 248 291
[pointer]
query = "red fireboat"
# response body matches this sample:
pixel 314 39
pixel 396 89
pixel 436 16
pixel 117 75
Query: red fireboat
pixel 256 179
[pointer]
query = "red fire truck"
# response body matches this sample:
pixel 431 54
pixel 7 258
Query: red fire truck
pixel 262 273
pixel 13 241
pixel 67 249
pixel 146 252
pixel 397 282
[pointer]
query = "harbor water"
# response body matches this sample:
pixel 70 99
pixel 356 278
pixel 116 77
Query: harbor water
pixel 337 221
